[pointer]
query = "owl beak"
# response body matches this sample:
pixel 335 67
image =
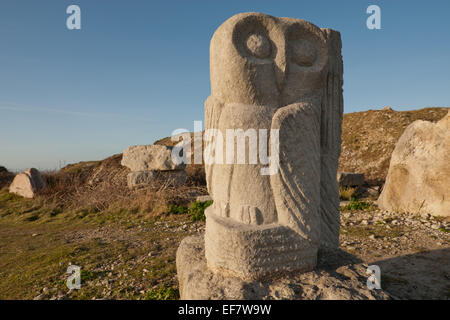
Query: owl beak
pixel 280 71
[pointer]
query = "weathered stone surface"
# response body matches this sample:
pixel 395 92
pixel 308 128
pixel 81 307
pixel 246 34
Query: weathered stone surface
pixel 204 198
pixel 419 173
pixel 350 179
pixel 138 179
pixel 282 76
pixel 338 276
pixel 330 140
pixel 27 183
pixel 254 252
pixel 151 157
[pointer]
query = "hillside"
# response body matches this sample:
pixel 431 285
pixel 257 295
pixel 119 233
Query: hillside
pixel 369 138
pixel 126 240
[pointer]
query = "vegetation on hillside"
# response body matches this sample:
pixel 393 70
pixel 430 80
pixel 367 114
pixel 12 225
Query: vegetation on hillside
pixel 369 138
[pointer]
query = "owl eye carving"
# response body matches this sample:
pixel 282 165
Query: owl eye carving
pixel 303 53
pixel 258 46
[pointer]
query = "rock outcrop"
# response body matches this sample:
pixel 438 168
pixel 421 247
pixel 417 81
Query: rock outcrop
pixel 418 180
pixel 27 184
pixel 369 137
pixel 152 157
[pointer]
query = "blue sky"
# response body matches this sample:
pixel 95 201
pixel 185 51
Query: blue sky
pixel 138 69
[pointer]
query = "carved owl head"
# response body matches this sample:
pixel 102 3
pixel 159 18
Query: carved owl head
pixel 263 60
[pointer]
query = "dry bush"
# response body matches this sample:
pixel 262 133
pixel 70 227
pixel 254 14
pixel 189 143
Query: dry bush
pixel 5 178
pixel 100 186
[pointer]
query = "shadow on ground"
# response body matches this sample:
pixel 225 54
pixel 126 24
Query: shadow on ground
pixel 421 275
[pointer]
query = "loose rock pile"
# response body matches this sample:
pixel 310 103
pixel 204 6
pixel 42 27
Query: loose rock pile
pixel 151 165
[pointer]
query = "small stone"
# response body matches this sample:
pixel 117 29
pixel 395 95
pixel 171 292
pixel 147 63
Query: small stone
pixel 27 184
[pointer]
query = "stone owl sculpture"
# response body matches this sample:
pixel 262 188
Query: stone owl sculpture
pixel 285 75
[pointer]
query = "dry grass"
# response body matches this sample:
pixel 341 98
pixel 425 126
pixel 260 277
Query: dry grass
pixel 369 138
pixel 346 193
pixel 100 186
pixel 6 177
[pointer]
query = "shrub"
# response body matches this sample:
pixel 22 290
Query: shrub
pixel 346 193
pixel 197 210
pixel 176 209
pixel 356 205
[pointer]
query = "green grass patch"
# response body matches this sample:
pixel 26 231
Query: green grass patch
pixel 197 210
pixel 90 275
pixel 355 205
pixel 176 209
pixel 162 293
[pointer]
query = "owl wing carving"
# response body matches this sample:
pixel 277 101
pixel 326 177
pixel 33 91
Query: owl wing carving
pixel 296 187
pixel 213 110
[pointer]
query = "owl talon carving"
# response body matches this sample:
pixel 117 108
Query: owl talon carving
pixel 222 208
pixel 251 215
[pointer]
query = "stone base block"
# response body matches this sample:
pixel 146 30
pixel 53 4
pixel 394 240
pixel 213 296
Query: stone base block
pixel 253 252
pixel 348 179
pixel 337 276
pixel 138 179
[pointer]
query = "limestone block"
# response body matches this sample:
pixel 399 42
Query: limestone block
pixel 150 157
